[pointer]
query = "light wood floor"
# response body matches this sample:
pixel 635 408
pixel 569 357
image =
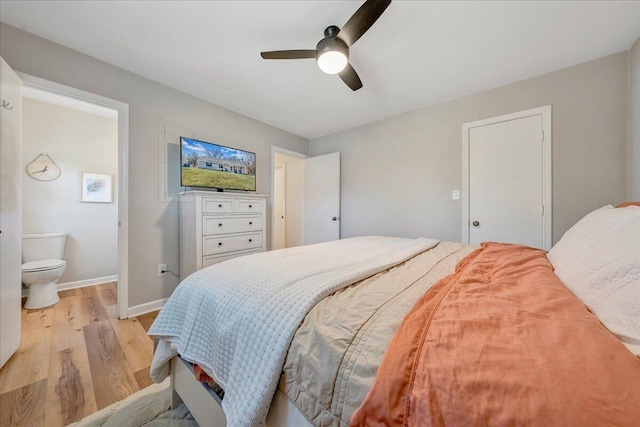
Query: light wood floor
pixel 74 359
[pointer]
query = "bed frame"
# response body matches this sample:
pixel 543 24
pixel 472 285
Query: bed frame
pixel 206 406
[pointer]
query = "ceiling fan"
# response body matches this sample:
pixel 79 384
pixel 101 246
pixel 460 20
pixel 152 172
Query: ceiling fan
pixel 332 52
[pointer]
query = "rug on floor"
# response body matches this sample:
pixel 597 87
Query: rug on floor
pixel 149 407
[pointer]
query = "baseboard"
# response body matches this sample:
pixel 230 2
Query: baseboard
pixel 147 307
pixel 79 284
pixel 136 310
pixel 85 283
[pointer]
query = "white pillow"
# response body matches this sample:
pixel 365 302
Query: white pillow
pixel 599 260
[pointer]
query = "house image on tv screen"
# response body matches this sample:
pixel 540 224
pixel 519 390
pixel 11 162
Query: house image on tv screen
pixel 208 165
pixel 222 165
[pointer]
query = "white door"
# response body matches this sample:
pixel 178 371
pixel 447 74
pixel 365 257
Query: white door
pixel 279 201
pixel 506 181
pixel 10 211
pixel 322 199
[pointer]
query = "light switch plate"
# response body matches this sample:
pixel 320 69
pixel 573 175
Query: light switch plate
pixel 455 194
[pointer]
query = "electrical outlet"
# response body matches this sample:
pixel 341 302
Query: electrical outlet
pixel 455 194
pixel 162 269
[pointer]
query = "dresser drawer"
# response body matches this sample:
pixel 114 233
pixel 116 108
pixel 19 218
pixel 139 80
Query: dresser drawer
pixel 229 224
pixel 213 259
pixel 214 245
pixel 250 206
pixel 216 206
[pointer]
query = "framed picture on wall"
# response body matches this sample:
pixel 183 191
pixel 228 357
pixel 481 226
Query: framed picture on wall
pixel 96 188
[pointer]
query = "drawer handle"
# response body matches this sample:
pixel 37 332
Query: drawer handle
pixel 250 206
pixel 250 222
pixel 219 243
pixel 219 206
pixel 220 225
pixel 250 240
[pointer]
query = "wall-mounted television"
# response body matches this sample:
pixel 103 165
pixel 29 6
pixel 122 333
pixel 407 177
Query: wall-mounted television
pixel 208 165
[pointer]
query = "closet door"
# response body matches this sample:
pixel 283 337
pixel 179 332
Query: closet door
pixel 322 199
pixel 10 211
pixel 509 180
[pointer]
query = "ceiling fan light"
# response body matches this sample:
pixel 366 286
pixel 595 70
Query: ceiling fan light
pixel 332 61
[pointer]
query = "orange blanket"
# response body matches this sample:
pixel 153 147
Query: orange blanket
pixel 503 342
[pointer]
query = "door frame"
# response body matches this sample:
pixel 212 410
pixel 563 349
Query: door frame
pixel 547 210
pixel 123 174
pixel 287 152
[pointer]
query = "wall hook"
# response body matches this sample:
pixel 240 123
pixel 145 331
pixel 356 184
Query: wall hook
pixel 7 105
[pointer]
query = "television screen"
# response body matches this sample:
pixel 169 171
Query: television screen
pixel 208 165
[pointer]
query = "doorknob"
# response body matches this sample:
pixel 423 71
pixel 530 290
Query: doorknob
pixel 475 223
pixel 335 218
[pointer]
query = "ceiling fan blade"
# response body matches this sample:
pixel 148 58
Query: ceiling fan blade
pixel 350 77
pixel 362 20
pixel 289 54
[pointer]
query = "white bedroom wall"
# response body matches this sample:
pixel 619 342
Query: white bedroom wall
pixel 634 119
pixel 78 142
pixel 398 173
pixel 153 226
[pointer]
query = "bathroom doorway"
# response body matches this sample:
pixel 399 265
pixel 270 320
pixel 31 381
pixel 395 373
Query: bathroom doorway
pixel 86 135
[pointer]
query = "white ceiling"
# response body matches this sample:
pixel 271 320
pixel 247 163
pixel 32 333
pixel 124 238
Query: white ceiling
pixel 418 53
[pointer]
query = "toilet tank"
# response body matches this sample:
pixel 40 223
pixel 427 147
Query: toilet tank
pixel 43 246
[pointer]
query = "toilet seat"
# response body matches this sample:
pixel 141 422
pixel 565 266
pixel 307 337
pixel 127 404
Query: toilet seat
pixel 43 265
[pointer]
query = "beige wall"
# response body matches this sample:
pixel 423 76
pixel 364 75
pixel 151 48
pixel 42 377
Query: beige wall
pixel 398 173
pixel 294 198
pixel 153 227
pixel 78 142
pixel 634 121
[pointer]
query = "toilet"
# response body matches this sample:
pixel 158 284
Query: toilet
pixel 42 267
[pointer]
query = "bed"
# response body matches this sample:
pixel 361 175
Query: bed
pixel 389 331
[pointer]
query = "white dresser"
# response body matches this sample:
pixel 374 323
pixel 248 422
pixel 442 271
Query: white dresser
pixel 215 227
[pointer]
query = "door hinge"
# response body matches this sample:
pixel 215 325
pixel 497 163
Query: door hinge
pixel 542 210
pixel 542 136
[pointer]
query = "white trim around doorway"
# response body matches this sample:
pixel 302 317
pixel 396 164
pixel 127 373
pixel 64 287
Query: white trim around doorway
pixel 123 173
